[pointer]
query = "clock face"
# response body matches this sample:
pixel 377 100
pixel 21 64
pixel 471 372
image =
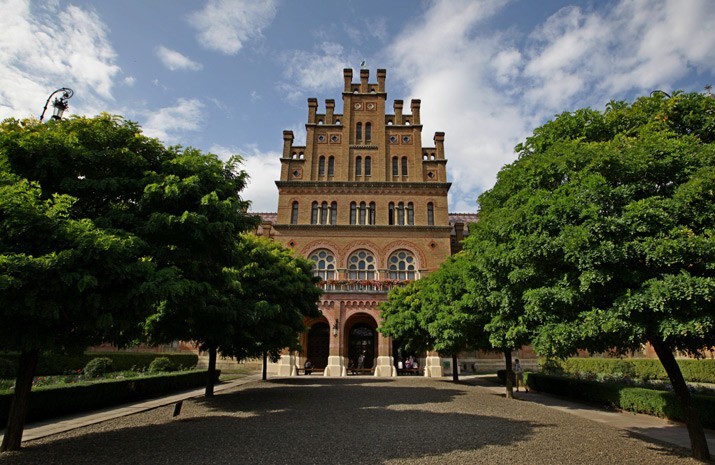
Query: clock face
pixel 358 106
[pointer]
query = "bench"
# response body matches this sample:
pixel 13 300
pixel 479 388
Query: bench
pixel 307 371
pixel 409 371
pixel 360 371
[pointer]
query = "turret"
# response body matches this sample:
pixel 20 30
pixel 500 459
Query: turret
pixel 329 108
pixel 398 111
pixel 364 76
pixel 415 107
pixel 287 143
pixel 312 110
pixel 439 145
pixel 348 78
pixel 381 75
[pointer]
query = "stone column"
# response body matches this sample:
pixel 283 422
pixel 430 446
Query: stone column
pixel 385 364
pixel 336 364
pixel 285 366
pixel 433 365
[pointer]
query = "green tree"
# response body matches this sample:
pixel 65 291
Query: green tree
pixel 64 284
pixel 277 290
pixel 401 317
pixel 605 223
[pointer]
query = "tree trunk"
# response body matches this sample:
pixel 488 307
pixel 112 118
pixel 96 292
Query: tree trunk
pixel 455 368
pixel 212 372
pixel 265 366
pixel 20 400
pixel 509 375
pixel 698 442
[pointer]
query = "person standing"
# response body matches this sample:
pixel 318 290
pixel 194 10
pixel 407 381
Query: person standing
pixel 519 372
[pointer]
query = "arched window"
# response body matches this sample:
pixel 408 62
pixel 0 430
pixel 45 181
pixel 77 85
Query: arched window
pixel 404 166
pixel 430 214
pixel 371 213
pixel 368 166
pixel 402 265
pixel 353 213
pixel 334 213
pixel 324 264
pixel 391 213
pixel 358 132
pixel 362 212
pixel 324 213
pixel 368 132
pixel 294 213
pixel 361 265
pixel 410 214
pixel 321 166
pixel 358 166
pixel 331 166
pixel 401 214
pixel 314 213
pixel 395 171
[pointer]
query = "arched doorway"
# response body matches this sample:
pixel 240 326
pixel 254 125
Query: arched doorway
pixel 318 346
pixel 361 346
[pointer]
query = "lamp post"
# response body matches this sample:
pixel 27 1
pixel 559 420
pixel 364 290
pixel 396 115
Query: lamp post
pixel 59 103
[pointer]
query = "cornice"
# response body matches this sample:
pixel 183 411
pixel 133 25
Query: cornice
pixel 328 228
pixel 362 184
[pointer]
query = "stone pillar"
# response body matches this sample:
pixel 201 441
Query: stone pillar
pixel 433 365
pixel 336 362
pixel 384 364
pixel 285 366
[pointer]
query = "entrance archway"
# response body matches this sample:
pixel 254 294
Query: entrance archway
pixel 318 346
pixel 361 346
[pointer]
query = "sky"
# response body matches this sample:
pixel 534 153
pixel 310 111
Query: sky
pixel 228 76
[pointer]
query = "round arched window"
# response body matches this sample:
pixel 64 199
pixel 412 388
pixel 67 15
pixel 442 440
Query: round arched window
pixel 361 265
pixel 402 265
pixel 324 264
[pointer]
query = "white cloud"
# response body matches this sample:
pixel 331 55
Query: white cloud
pixel 226 25
pixel 313 71
pixel 174 60
pixel 263 168
pixel 53 48
pixel 488 91
pixel 129 81
pixel 170 124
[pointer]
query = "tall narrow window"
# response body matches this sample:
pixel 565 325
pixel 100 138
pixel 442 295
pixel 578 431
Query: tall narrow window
pixel 334 213
pixel 358 132
pixel 314 213
pixel 358 166
pixel 353 213
pixel 430 214
pixel 391 213
pixel 404 166
pixel 331 166
pixel 410 214
pixel 321 166
pixel 362 212
pixel 368 167
pixel 294 213
pixel 401 214
pixel 368 132
pixel 395 171
pixel 324 213
pixel 371 213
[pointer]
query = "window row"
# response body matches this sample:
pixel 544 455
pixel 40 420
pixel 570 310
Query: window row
pixel 361 264
pixel 359 133
pixel 396 165
pixel 359 166
pixel 363 213
pixel 331 166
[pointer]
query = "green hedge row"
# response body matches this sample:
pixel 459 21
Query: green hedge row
pixel 633 399
pixel 62 399
pixel 700 371
pixel 52 364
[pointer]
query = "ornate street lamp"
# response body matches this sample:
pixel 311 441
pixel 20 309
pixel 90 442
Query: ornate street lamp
pixel 59 103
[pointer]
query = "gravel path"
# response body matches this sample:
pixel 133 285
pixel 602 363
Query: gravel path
pixel 315 420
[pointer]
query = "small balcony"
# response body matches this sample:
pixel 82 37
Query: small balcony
pixel 361 285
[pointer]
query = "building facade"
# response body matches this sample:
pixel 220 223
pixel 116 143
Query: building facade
pixel 366 201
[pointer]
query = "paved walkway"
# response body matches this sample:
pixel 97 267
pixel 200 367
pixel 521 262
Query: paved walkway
pixel 643 425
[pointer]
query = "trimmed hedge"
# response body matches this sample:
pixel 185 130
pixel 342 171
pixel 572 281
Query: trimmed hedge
pixel 639 400
pixel 61 399
pixel 51 364
pixel 699 371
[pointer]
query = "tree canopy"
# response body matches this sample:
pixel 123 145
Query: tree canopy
pixel 604 228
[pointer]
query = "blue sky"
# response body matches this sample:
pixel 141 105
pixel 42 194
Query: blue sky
pixel 228 76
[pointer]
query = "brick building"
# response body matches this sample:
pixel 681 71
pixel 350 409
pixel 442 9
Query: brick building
pixel 367 202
